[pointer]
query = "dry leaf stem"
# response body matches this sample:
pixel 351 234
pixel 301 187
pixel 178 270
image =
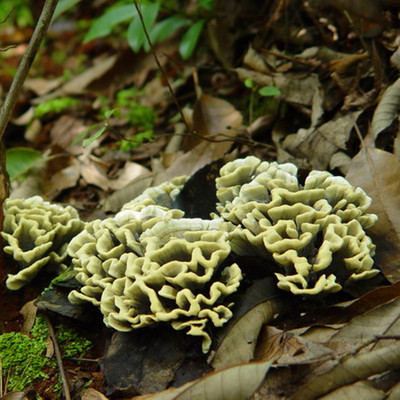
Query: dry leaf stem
pixel 60 365
pixel 161 68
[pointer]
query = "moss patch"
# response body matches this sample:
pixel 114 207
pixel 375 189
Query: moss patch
pixel 23 357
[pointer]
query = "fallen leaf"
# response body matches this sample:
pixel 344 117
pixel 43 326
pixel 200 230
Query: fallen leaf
pixel 359 390
pixel 293 90
pixel 28 311
pixel 143 361
pixel 234 383
pixel 351 369
pixel 79 83
pixel 378 173
pixel 319 144
pixel 92 394
pixel 286 348
pixel 217 119
pixel 237 341
pixel 198 196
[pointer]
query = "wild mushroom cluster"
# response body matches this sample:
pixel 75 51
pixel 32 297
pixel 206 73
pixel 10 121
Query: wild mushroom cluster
pixel 149 264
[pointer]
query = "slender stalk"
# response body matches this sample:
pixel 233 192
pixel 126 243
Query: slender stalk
pixel 139 11
pixel 64 379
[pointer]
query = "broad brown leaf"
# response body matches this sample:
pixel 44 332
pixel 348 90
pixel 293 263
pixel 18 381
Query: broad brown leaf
pixel 378 173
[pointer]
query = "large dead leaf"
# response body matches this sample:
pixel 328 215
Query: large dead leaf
pixel 293 90
pixel 216 119
pixel 234 383
pixel 287 348
pixel 79 83
pixel 237 341
pixel 319 144
pixel 387 109
pixel 143 361
pixel 378 173
pixel 351 369
pixel 359 390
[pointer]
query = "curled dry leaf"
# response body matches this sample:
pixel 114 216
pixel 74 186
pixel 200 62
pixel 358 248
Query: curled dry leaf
pixel 238 339
pixel 378 173
pixel 92 394
pixel 234 383
pixel 286 348
pixel 351 369
pixel 387 109
pixel 359 390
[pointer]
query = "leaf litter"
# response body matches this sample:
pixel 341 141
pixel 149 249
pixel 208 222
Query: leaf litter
pixel 325 95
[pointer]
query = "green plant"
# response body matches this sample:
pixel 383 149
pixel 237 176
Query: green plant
pixel 23 357
pixel 128 108
pixel 267 92
pixel 124 14
pixel 54 106
pixel 16 12
pixel 19 160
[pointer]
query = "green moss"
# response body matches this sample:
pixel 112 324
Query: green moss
pixel 71 343
pixel 54 106
pixel 23 357
pixel 23 360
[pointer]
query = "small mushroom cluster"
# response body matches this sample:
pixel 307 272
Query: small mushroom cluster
pixel 152 265
pixel 37 234
pixel 315 232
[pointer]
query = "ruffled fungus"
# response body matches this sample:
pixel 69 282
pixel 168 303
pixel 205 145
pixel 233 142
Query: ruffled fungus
pixel 154 266
pixel 37 234
pixel 315 233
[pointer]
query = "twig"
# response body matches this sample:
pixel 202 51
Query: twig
pixel 160 67
pixel 60 365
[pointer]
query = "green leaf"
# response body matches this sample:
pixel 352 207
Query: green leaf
pixel 135 34
pixel 62 6
pixel 116 112
pixel 20 160
pixel 190 39
pixel 86 132
pixel 249 83
pixel 108 21
pixel 267 91
pixel 95 136
pixel 165 28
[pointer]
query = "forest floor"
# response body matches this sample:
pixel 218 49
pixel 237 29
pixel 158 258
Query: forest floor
pixel 313 83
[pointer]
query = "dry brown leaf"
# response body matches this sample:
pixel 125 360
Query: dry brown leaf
pixel 79 83
pixel 350 369
pixel 234 383
pixel 28 311
pixel 378 173
pixel 359 390
pixel 387 109
pixel 217 119
pixel 116 200
pixel 92 394
pixel 15 396
pixel 286 348
pixel 94 173
pixel 318 145
pixel 293 90
pixel 237 341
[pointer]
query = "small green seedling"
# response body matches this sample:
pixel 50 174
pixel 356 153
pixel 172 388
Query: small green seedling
pixel 265 91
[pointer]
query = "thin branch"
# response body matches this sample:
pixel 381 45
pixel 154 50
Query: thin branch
pixel 160 66
pixel 26 62
pixel 60 365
